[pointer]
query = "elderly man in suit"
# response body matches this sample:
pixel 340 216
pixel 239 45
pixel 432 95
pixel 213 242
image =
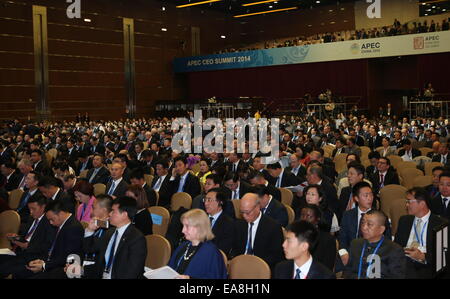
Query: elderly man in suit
pixel 270 206
pixel 117 186
pixel 301 238
pixel 98 174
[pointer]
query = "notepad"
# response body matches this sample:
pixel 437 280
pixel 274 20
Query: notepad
pixel 161 273
pixel 6 251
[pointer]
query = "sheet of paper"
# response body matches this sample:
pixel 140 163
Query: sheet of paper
pixel 161 273
pixel 6 251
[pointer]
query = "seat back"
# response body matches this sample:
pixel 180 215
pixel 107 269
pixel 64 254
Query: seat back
pixel 249 267
pixel 14 198
pixel 395 160
pixel 180 199
pixel 429 167
pixel 160 218
pixel 291 213
pixel 340 163
pixel 422 181
pixel 406 164
pixel 83 174
pixel 397 210
pixel 148 179
pixel 390 194
pixel 237 211
pixel 286 196
pixel 158 251
pixel 99 189
pixel 425 150
pixel 408 175
pixel 365 150
pixel 9 223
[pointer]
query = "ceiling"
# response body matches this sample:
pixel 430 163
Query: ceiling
pixel 237 7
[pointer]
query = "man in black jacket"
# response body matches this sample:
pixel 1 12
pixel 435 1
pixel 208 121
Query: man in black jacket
pixel 122 250
pixel 301 238
pixel 49 188
pixel 282 178
pixel 161 183
pixel 385 175
pixel 439 205
pixel 182 180
pixel 137 178
pixel 415 234
pixel 257 234
pixel 13 177
pixel 270 206
pixel 98 174
pixel 68 240
pixel 117 186
pixel 222 224
pixel 35 240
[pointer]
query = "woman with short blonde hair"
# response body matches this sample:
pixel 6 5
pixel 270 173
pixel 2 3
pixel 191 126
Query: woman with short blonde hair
pixel 198 257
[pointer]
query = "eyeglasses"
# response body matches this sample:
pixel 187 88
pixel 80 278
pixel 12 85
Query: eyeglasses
pixel 408 201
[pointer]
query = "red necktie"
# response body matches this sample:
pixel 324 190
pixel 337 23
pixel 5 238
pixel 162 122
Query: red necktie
pixel 381 179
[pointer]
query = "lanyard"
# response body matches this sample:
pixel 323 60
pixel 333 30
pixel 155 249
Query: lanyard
pixel 362 254
pixel 421 233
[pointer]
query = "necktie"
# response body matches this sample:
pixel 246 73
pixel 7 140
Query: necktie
pixel 53 245
pixel 22 183
pixel 235 194
pixel 94 174
pixel 278 182
pixel 250 246
pixel 181 185
pixel 381 180
pixel 234 167
pixel 158 184
pixel 443 160
pixel 418 230
pixel 350 202
pixel 444 200
pixel 24 202
pixel 111 253
pixel 263 210
pixel 211 219
pixel 359 226
pixel 33 228
pixel 111 190
pixel 297 273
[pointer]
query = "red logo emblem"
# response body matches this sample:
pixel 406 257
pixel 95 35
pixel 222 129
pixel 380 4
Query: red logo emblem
pixel 418 43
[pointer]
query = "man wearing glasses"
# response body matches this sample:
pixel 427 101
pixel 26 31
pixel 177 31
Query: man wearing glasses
pixel 414 234
pixel 384 175
pixel 257 234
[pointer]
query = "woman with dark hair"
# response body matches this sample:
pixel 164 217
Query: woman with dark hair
pixel 387 150
pixel 84 194
pixel 314 196
pixel 143 219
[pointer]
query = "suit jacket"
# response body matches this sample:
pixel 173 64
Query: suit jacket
pixel 301 173
pixel 79 165
pixel 393 261
pixel 325 250
pixel 223 231
pixel 120 190
pixel 437 158
pixel 129 259
pixel 24 212
pixel 14 181
pixel 343 201
pixel 414 269
pixel 165 191
pixel 40 241
pixel 230 165
pixel 349 228
pixel 191 185
pixel 68 200
pixel 330 194
pixel 151 195
pixel 277 211
pixel 414 152
pixel 390 151
pixel 101 177
pixel 217 164
pixel 287 179
pixel 343 151
pixel 438 207
pixel 354 150
pixel 244 188
pixel 268 240
pixel 99 148
pixel 390 178
pixel 373 143
pixel 43 168
pixel 68 241
pixel 143 222
pixel 285 270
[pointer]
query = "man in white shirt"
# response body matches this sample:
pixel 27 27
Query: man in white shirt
pixel 301 237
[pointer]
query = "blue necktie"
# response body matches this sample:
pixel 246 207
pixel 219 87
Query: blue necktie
pixel 111 253
pixel 93 175
pixel 250 246
pixel 263 210
pixel 33 228
pixel 181 185
pixel 297 274
pixel 24 202
pixel 111 190
pixel 53 245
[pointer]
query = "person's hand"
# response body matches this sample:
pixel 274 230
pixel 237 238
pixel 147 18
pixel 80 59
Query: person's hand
pixel 415 253
pixel 183 277
pixel 35 266
pixel 23 245
pixel 92 227
pixel 11 235
pixel 345 259
pixel 174 172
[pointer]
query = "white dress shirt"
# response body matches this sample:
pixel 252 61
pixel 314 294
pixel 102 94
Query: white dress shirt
pixel 120 233
pixel 422 246
pixel 254 229
pixel 304 269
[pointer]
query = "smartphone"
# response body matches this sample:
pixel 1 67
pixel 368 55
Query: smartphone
pixel 101 223
pixel 17 238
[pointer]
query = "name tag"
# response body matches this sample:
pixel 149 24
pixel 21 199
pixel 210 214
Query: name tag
pixel 88 263
pixel 157 219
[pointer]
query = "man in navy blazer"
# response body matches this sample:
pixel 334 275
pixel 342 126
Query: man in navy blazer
pixel 440 204
pixel 182 180
pixel 68 240
pixel 350 228
pixel 271 207
pixel 301 237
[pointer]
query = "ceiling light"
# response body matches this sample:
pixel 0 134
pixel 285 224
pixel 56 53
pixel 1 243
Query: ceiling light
pixel 264 12
pixel 223 36
pixel 87 20
pixel 197 3
pixel 270 6
pixel 318 2
pixel 164 29
pixel 163 8
pixel 259 2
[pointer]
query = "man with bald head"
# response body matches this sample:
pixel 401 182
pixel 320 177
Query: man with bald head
pixel 257 234
pixel 435 152
pixel 116 186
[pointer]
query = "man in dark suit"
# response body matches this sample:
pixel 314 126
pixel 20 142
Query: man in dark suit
pixel 31 184
pixel 374 140
pixel 96 147
pixel 5 155
pixel 296 168
pixel 408 150
pixel 137 178
pixel 351 220
pixel 68 240
pixel 39 165
pixel 237 187
pixel 84 163
pixel 282 178
pixel 72 153
pixel 47 144
pixel 13 177
pixel 355 175
pixel 222 224
pixel 414 233
pixel 116 186
pixel 234 162
pixel 301 238
pixel 384 175
pixel 340 147
pixel 161 183
pixel 392 259
pixel 258 166
pixel 257 178
pixel 440 203
pixel 257 234
pixel 315 176
pixel 215 161
pixel 122 250
pixel 397 142
pixel 38 235
pixel 443 156
pixel 182 180
pixel 373 167
pixel 98 174
pixel 271 207
pixel 49 187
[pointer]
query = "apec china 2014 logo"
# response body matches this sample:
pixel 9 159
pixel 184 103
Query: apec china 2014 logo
pixel 418 43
